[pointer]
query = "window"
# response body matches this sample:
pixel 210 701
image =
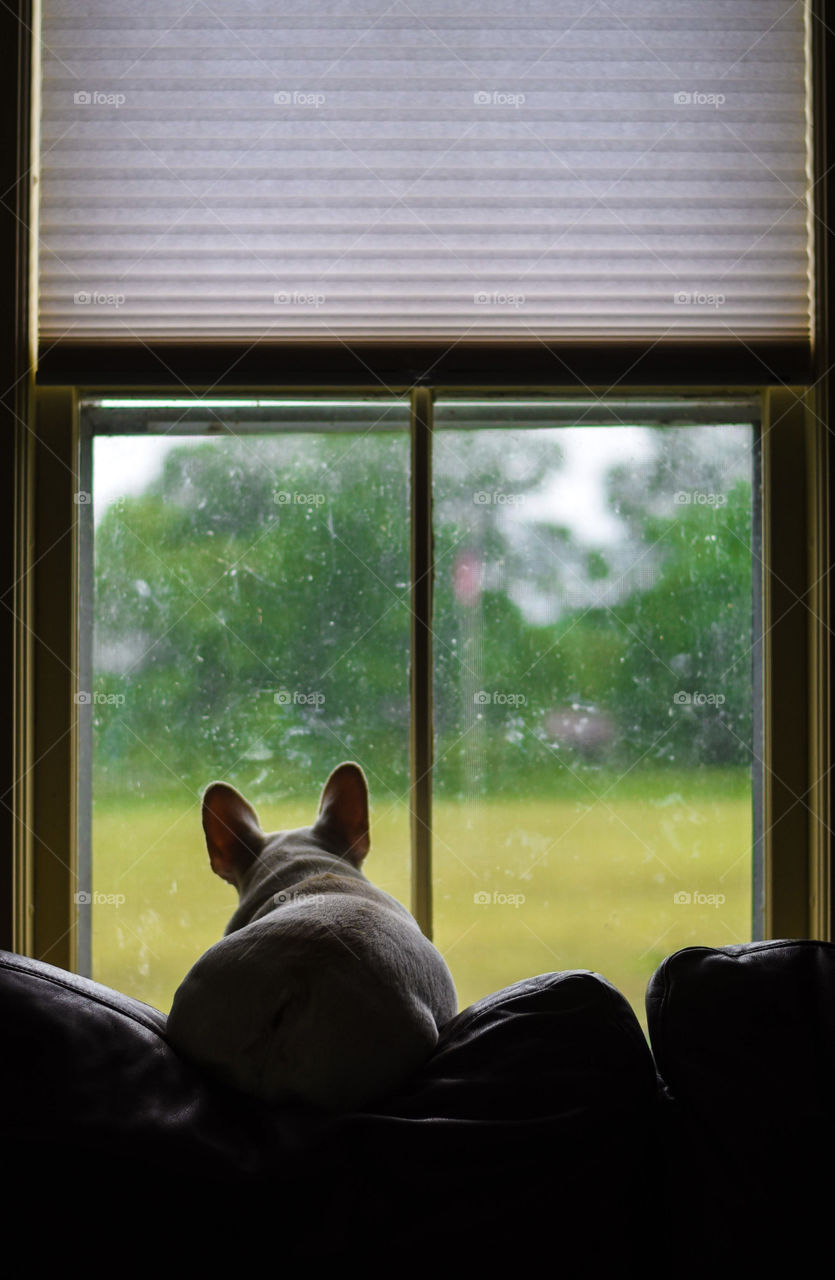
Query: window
pixel 593 631
pixel 610 346
pixel 251 622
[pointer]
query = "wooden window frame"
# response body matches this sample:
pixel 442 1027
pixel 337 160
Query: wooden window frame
pixel 40 476
pixel 791 651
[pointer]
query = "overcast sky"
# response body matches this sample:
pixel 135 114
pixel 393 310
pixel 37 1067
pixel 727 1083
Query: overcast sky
pixel 124 465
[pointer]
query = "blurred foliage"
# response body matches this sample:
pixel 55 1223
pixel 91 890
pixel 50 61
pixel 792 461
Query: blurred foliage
pixel 252 607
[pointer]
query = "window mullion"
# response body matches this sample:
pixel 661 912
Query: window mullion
pixel 422 570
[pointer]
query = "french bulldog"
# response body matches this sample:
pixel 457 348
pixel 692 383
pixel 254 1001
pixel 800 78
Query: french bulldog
pixel 323 988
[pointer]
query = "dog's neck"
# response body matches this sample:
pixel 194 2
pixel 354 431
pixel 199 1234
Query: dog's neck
pixel 280 869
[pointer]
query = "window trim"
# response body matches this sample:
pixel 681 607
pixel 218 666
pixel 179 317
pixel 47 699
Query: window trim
pixel 457 364
pixel 793 769
pixel 735 366
pixel 795 765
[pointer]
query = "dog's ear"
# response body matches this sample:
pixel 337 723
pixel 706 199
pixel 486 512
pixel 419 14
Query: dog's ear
pixel 343 812
pixel 233 833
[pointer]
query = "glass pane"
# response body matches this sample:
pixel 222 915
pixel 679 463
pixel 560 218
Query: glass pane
pixel 594 692
pixel 251 623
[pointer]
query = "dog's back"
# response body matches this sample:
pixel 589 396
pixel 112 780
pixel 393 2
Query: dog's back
pixel 334 1003
pixel 324 989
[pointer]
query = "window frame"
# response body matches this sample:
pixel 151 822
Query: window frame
pixel 791 650
pixel 41 472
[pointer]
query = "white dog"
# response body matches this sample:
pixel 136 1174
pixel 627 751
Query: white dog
pixel 323 988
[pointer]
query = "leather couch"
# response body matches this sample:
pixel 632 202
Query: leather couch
pixel 544 1132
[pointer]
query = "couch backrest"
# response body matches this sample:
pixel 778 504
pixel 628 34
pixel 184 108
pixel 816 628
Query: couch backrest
pixel 744 1040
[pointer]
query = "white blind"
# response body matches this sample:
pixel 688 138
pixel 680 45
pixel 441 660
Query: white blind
pixel 460 168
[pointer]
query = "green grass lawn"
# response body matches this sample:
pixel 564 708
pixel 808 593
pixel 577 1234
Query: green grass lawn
pixel 521 886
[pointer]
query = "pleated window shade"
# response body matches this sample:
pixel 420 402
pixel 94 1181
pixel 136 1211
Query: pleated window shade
pixel 343 168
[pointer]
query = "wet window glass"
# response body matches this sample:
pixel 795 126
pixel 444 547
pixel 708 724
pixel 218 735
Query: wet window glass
pixel 595 708
pixel 593 694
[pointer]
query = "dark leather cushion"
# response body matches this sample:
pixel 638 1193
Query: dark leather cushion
pixel 744 1038
pixel 745 1035
pixel 535 1098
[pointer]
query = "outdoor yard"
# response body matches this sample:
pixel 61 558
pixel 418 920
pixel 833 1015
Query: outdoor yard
pixel 521 887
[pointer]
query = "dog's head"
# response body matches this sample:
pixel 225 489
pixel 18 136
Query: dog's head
pixel 237 844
